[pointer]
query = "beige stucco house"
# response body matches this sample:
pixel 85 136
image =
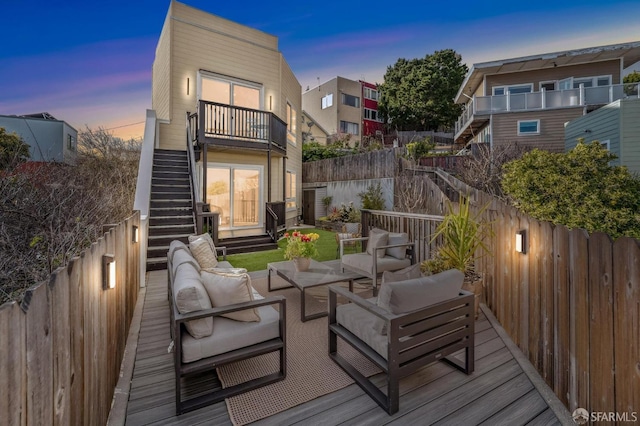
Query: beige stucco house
pixel 244 106
pixel 528 100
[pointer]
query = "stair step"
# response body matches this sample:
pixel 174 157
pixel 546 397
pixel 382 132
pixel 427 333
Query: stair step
pixel 156 263
pixel 170 188
pixel 170 203
pixel 170 181
pixel 156 230
pixel 252 248
pixel 171 220
pixel 165 240
pixel 171 196
pixel 170 211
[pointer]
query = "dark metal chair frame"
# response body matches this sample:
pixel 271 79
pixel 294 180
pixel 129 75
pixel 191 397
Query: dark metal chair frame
pixel 415 339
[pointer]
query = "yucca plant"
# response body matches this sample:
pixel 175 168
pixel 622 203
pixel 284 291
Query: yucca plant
pixel 463 236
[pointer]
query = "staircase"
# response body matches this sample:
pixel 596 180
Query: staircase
pixel 170 214
pixel 248 244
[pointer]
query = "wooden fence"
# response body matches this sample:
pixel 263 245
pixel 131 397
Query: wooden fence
pixel 61 347
pixel 369 165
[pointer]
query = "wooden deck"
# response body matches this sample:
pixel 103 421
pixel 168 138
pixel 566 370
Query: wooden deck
pixel 503 390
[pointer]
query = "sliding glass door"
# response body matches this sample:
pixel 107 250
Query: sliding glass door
pixel 235 192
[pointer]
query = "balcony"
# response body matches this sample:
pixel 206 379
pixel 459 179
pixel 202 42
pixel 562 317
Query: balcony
pixel 236 127
pixel 480 108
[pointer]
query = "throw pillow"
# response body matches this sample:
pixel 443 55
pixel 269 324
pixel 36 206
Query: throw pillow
pixel 228 289
pixel 206 237
pixel 408 273
pixel 377 238
pixel 190 296
pixel 397 238
pixel 202 250
pixel 405 296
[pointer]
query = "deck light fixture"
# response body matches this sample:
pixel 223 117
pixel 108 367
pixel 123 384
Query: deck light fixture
pixel 187 86
pixel 108 271
pixel 134 234
pixel 521 242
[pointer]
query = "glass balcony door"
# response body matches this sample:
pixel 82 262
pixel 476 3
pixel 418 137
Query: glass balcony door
pixel 235 193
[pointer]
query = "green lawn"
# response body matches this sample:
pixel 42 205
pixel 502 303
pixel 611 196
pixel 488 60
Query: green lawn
pixel 257 261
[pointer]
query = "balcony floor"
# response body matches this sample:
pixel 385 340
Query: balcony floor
pixel 504 389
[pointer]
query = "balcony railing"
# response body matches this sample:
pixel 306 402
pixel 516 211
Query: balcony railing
pixel 550 99
pixel 228 125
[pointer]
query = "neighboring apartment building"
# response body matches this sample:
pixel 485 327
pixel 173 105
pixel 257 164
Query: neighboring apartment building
pixel 245 106
pixel 616 126
pixel 49 139
pixel 528 100
pixel 342 106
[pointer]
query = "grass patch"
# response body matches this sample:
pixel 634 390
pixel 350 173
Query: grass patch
pixel 326 245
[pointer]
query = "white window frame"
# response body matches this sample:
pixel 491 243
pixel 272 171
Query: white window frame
pixel 537 132
pixel 232 82
pixel 347 125
pixel 606 143
pixel 594 81
pixel 370 93
pixel 290 198
pixel 507 89
pixel 292 125
pixel 368 115
pixel 357 100
pixel 327 101
pixel 554 82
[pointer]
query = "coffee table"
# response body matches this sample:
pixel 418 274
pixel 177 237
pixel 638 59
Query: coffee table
pixel 317 275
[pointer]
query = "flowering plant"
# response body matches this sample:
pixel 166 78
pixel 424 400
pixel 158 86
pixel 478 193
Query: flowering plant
pixel 300 245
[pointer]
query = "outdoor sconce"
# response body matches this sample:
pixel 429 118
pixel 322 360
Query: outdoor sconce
pixel 108 271
pixel 134 234
pixel 521 242
pixel 187 86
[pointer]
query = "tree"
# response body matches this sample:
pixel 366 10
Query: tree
pixel 631 83
pixel 418 94
pixel 578 189
pixel 13 150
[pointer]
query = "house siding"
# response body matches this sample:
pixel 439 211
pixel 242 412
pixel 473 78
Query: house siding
pixel 630 134
pixel 551 137
pixel 600 125
pixel 161 73
pixel 312 100
pixel 592 69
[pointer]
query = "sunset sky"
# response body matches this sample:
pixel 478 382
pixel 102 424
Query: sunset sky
pixel 89 63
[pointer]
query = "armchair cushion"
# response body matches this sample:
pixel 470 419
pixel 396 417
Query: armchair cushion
pixel 358 321
pixel 363 262
pixel 397 238
pixel 377 238
pixel 204 252
pixel 406 296
pixel 227 289
pixel 190 296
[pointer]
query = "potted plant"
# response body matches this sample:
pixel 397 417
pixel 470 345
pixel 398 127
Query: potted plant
pixel 301 248
pixel 463 240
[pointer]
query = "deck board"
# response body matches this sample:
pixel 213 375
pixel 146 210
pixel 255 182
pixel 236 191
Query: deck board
pixel 498 392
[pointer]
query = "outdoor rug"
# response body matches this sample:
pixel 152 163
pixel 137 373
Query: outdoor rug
pixel 310 371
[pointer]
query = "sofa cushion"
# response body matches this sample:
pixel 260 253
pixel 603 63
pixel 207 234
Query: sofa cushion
pixel 204 252
pixel 205 237
pixel 190 296
pixel 363 263
pixel 182 256
pixel 397 238
pixel 227 289
pixel 405 296
pixel 408 273
pixel 358 321
pixel 177 245
pixel 377 238
pixel 230 335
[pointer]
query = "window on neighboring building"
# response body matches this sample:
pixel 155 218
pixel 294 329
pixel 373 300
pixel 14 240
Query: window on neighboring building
pixel 548 85
pixel 71 143
pixel 290 190
pixel 350 100
pixel 602 80
pixel 370 93
pixel 291 124
pixel 605 144
pixel 528 127
pixel 372 114
pixel 327 101
pixel 517 88
pixel 348 127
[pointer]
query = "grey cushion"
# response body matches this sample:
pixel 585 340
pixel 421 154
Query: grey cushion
pixel 377 238
pixel 406 296
pixel 230 335
pixel 358 321
pixel 408 273
pixel 182 256
pixel 204 252
pixel 190 296
pixel 397 238
pixel 228 289
pixel 363 263
pixel 176 245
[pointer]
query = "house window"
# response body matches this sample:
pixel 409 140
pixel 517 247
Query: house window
pixel 348 127
pixel 372 114
pixel 528 127
pixel 370 93
pixel 548 85
pixel 519 88
pixel 71 143
pixel 605 144
pixel 350 100
pixel 291 124
pixel 290 190
pixel 327 101
pixel 599 81
pixel 234 191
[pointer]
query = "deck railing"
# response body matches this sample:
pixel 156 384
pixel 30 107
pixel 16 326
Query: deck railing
pixel 545 99
pixel 276 218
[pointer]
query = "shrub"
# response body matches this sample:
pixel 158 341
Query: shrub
pixel 372 198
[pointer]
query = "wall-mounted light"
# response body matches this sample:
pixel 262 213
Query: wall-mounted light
pixel 108 271
pixel 270 103
pixel 134 234
pixel 187 86
pixel 521 242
